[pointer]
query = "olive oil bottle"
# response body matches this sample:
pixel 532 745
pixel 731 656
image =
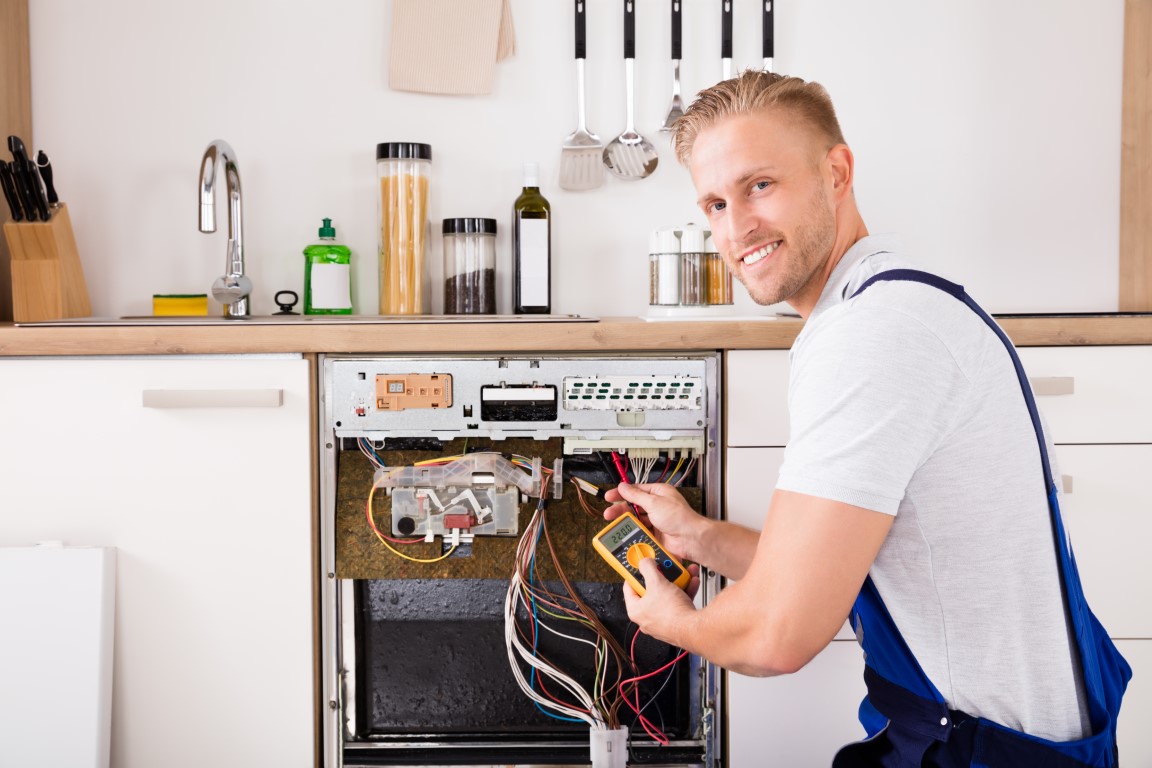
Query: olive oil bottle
pixel 532 247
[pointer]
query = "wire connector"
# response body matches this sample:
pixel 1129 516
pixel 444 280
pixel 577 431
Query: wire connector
pixel 609 747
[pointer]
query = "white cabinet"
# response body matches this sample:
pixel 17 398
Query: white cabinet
pixel 207 498
pixel 799 720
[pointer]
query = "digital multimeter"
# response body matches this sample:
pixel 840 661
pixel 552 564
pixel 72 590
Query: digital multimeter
pixel 625 542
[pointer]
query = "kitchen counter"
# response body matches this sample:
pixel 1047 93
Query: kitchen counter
pixel 605 334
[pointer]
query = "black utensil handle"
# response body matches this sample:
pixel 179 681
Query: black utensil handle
pixel 725 29
pixel 629 29
pixel 9 186
pixel 676 33
pixel 769 30
pixel 581 30
pixel 46 174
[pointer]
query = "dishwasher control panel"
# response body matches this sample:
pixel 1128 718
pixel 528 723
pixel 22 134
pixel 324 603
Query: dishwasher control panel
pixel 539 396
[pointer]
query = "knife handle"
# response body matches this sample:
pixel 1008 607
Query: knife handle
pixel 36 190
pixel 769 30
pixel 629 29
pixel 45 168
pixel 725 29
pixel 9 186
pixel 676 30
pixel 581 30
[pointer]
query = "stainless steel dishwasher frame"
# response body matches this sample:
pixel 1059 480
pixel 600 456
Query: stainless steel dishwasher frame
pixel 346 394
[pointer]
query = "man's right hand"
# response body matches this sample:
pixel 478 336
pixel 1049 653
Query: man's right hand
pixel 676 525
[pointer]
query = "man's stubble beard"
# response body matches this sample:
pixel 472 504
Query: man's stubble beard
pixel 808 251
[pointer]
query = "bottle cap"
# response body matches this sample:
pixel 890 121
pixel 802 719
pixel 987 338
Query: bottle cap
pixel 403 150
pixel 709 244
pixel 328 230
pixel 692 240
pixel 663 241
pixel 531 175
pixel 469 226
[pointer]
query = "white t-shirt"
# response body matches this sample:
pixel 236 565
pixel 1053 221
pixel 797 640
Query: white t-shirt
pixel 903 401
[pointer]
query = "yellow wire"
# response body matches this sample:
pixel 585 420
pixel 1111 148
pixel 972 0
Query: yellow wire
pixel 396 551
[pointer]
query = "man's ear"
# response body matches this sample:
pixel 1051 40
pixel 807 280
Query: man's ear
pixel 841 164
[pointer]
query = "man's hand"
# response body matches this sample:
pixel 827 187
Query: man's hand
pixel 665 611
pixel 664 511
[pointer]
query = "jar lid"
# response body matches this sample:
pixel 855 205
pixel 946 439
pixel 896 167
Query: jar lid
pixel 692 240
pixel 663 241
pixel 709 245
pixel 469 227
pixel 403 150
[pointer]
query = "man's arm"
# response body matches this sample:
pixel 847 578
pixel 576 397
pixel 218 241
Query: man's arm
pixel 811 559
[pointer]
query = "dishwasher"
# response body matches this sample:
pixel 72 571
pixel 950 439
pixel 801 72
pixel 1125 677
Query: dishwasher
pixel 465 617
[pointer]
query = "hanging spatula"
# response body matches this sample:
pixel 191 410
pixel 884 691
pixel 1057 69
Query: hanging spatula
pixel 581 166
pixel 676 111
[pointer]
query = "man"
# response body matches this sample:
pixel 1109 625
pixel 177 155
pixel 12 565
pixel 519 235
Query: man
pixel 913 484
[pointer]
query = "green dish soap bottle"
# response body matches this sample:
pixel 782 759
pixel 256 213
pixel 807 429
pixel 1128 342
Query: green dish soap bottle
pixel 327 275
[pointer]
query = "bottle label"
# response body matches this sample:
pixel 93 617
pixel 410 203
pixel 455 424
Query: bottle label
pixel 534 277
pixel 331 286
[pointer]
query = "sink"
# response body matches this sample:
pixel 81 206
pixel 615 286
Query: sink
pixel 219 320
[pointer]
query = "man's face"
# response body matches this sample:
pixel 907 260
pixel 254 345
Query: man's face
pixel 761 182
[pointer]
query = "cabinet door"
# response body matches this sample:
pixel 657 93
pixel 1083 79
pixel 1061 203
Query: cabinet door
pixel 209 509
pixel 800 720
pixel 1133 734
pixel 756 392
pixel 1092 394
pixel 1108 513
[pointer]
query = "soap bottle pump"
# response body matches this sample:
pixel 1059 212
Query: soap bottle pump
pixel 327 275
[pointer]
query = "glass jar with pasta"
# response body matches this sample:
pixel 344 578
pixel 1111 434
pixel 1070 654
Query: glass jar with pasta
pixel 403 170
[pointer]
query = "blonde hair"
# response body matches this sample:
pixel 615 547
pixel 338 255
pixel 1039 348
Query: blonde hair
pixel 752 91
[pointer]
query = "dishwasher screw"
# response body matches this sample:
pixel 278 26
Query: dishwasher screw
pixel 331 705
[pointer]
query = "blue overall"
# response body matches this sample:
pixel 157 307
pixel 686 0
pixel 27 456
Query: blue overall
pixel 907 720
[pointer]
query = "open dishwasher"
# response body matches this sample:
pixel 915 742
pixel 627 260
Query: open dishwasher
pixel 466 618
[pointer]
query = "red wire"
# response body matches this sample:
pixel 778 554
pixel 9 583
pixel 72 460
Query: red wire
pixel 649 727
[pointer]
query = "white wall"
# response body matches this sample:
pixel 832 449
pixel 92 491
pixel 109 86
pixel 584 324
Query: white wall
pixel 987 133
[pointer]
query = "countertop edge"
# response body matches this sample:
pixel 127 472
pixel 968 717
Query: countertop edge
pixel 613 334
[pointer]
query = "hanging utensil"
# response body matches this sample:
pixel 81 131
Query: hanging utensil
pixel 726 38
pixel 581 166
pixel 769 35
pixel 630 155
pixel 676 111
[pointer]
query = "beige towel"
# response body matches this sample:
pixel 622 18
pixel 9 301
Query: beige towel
pixel 449 46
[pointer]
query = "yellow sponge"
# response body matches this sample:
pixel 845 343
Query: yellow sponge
pixel 178 304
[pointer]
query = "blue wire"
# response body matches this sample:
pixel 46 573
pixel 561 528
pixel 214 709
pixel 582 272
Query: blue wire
pixel 536 633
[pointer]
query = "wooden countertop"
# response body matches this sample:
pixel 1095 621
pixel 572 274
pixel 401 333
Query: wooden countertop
pixel 607 335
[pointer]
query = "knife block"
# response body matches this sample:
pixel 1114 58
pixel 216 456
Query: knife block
pixel 47 279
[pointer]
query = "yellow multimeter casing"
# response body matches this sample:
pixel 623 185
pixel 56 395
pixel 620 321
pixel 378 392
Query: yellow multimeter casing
pixel 625 541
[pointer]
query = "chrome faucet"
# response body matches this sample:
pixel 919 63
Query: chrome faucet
pixel 233 288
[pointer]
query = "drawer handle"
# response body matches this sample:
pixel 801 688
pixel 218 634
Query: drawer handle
pixel 213 398
pixel 1066 483
pixel 1053 385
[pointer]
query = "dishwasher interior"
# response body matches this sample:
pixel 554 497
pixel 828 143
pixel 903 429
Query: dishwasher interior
pixel 466 618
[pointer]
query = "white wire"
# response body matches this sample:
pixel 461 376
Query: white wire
pixel 517 651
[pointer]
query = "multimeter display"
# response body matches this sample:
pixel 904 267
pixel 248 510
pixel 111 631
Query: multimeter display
pixel 625 542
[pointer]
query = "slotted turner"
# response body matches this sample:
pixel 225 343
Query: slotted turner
pixel 581 166
pixel 630 156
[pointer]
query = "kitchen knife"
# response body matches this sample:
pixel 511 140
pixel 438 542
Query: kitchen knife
pixel 39 199
pixel 46 174
pixel 769 35
pixel 20 176
pixel 726 37
pixel 9 186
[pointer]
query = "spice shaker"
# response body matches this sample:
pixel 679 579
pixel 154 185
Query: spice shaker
pixel 469 266
pixel 692 266
pixel 718 279
pixel 403 170
pixel 664 267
